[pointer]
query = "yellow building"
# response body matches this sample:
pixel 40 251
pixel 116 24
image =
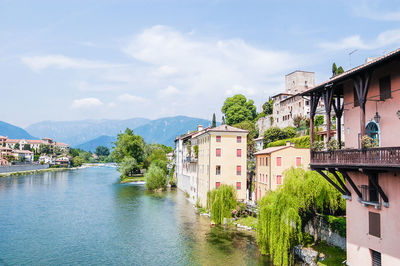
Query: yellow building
pixel 271 164
pixel 222 159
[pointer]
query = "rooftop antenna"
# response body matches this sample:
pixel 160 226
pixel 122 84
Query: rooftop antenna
pixel 352 52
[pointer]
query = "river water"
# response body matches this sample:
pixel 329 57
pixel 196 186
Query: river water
pixel 86 217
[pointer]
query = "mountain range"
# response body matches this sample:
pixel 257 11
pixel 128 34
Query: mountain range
pixel 13 132
pixel 88 134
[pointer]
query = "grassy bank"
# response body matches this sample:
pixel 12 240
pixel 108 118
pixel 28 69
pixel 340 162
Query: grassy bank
pixel 34 171
pixel 130 179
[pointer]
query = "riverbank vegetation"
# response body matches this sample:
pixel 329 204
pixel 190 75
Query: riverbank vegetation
pixel 140 161
pixel 221 202
pixel 283 213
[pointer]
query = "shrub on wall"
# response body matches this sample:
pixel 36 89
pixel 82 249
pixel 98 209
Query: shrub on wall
pixel 299 142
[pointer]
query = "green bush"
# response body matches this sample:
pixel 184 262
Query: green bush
pixel 221 202
pixel 155 178
pixel 299 142
pixel 336 223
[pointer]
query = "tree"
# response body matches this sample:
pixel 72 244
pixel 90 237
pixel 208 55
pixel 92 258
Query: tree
pixel 275 133
pixel 318 120
pixel 336 70
pixel 74 152
pixel 44 149
pixel 268 106
pixel 26 147
pixel 129 145
pixel 77 161
pixel 128 166
pixel 155 178
pixel 298 121
pixel 214 121
pixel 16 146
pixel 102 151
pixel 238 109
pixel 221 202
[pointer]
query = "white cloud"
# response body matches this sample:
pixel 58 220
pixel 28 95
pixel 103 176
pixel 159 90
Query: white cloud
pixel 129 98
pixel 38 63
pixel 102 87
pixel 205 70
pixel 169 91
pixel 86 103
pixel 373 10
pixel 384 39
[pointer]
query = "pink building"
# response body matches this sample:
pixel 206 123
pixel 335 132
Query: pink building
pixel 368 97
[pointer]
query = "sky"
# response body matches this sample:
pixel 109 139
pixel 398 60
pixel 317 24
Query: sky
pixel 75 60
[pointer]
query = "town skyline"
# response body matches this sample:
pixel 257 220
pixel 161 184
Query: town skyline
pixel 89 62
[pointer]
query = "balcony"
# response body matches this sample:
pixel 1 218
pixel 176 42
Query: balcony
pixel 384 158
pixel 190 159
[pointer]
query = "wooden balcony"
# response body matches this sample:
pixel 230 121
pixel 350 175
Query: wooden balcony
pixel 384 158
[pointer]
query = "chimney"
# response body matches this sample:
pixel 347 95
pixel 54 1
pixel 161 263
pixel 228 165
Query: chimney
pixel 199 128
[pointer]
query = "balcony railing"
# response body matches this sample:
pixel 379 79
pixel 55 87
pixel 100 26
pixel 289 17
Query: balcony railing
pixel 373 157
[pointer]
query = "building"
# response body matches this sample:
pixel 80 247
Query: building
pixel 23 155
pixel 368 97
pixel 222 159
pixel 33 144
pixel 271 163
pixel 209 157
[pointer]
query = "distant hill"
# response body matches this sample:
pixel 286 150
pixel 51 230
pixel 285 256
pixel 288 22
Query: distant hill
pixel 14 132
pixel 91 145
pixel 164 130
pixel 89 134
pixel 78 132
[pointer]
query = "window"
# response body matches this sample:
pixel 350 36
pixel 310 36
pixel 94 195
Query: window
pixel 376 258
pixel 218 138
pixel 266 178
pixel 238 170
pixel 279 179
pixel 217 184
pixel 218 170
pixel 239 152
pixel 260 177
pixel 278 161
pixel 374 224
pixel 238 185
pixel 307 103
pixel 356 102
pixel 298 161
pixel 218 152
pixel 373 192
pixel 266 161
pixel 239 139
pixel 385 88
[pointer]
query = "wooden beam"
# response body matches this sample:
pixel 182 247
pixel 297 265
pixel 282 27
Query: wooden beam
pixel 340 181
pixel 314 99
pixel 378 187
pixel 328 97
pixel 338 108
pixel 331 182
pixel 355 188
pixel 361 84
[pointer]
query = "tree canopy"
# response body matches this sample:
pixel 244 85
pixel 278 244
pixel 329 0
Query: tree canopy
pixel 268 106
pixel 238 109
pixel 275 133
pixel 102 151
pixel 129 145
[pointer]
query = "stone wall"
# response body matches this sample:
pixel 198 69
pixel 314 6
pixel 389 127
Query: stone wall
pixel 24 167
pixel 318 228
pixel 263 123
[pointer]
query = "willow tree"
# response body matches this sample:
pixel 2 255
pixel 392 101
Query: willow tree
pixel 221 202
pixel 280 212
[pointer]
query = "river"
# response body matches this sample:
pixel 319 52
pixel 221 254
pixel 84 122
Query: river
pixel 86 217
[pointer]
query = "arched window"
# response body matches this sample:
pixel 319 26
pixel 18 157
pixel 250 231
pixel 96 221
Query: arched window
pixel 372 130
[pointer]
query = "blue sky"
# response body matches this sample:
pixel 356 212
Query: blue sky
pixel 73 60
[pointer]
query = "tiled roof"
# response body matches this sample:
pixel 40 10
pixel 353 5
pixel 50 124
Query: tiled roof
pixel 352 71
pixel 12 140
pixel 61 144
pixel 227 128
pixel 34 141
pixel 271 149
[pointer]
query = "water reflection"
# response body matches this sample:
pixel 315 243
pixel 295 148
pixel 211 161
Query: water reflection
pixel 86 217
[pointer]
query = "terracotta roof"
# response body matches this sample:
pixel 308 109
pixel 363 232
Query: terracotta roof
pixel 226 128
pixel 259 138
pixel 355 70
pixel 272 149
pixel 12 140
pixel 61 144
pixel 35 141
pixel 22 151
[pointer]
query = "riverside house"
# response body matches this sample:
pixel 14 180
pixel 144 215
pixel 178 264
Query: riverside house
pixel 209 157
pixel 271 164
pixel 369 98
